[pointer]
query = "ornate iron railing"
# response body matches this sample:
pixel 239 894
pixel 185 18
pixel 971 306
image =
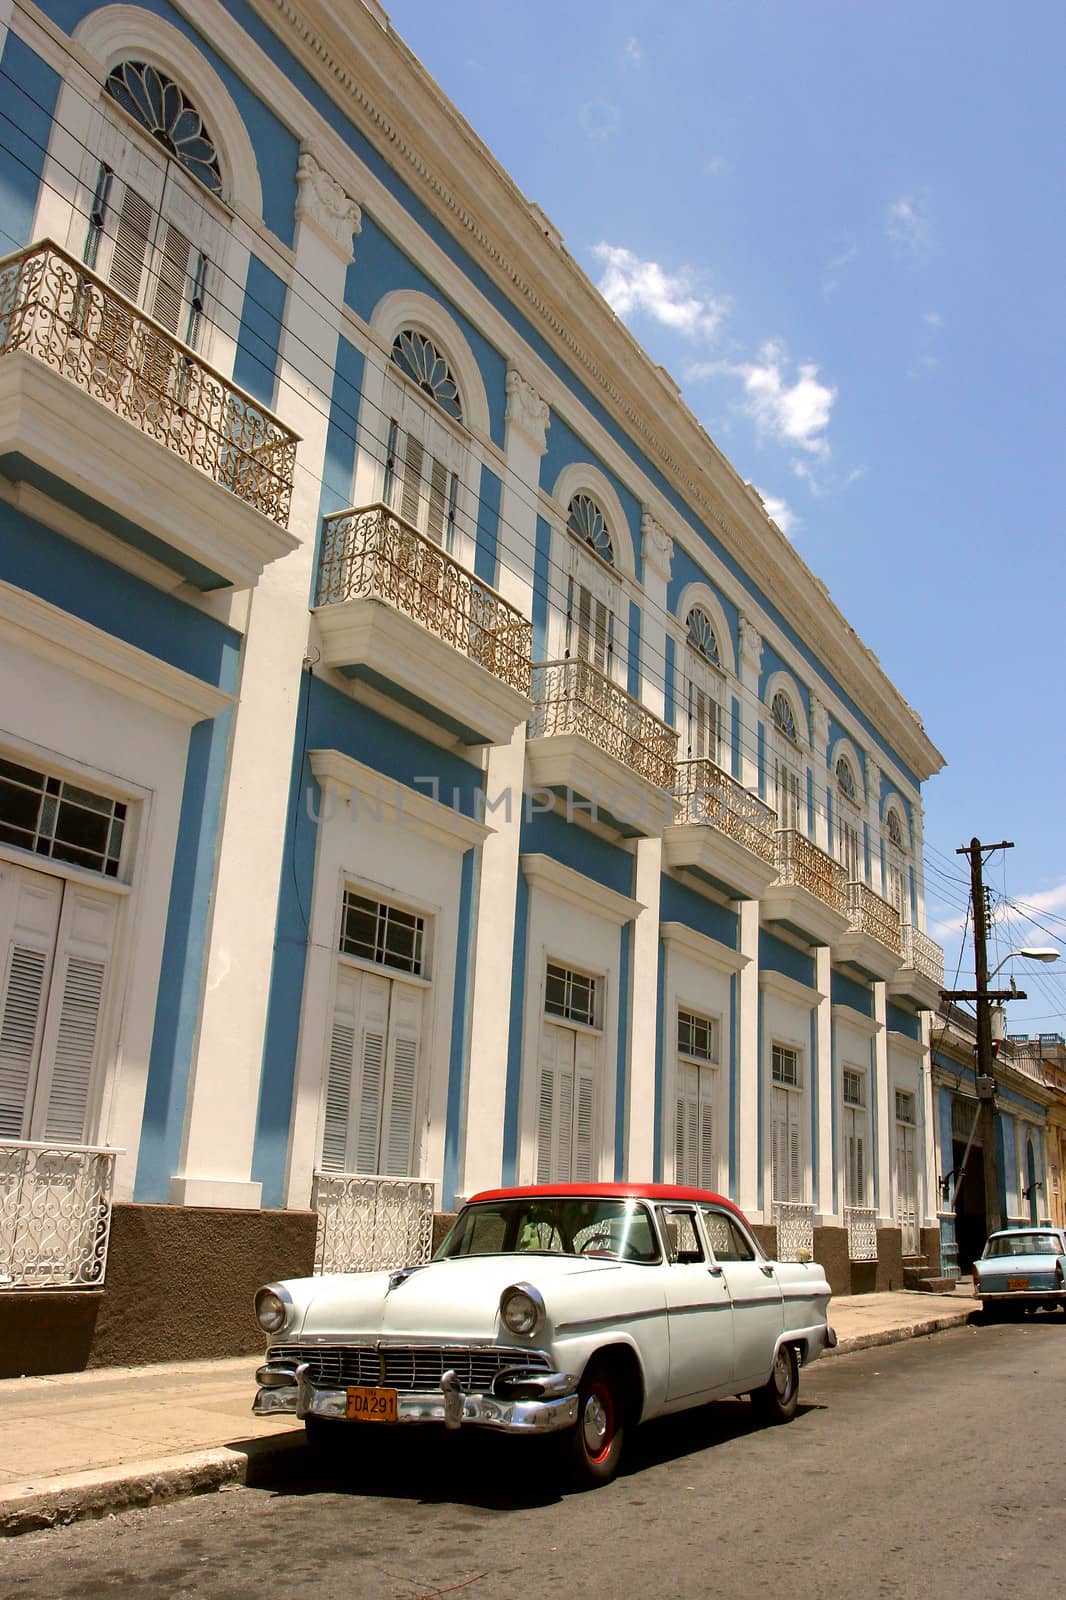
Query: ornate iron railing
pixel 55 1215
pixel 374 554
pixel 703 793
pixel 861 1224
pixel 922 954
pixel 803 863
pixel 369 1224
pixel 57 311
pixel 576 697
pixel 795 1231
pixel 870 914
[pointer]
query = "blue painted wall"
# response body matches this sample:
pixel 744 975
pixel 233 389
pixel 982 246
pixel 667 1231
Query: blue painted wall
pixel 771 663
pixel 565 449
pixel 541 584
pixel 256 361
pixel 28 90
pixel 778 956
pixel 683 571
pixel 900 1021
pixel 548 833
pixel 846 991
pixel 486 551
pixel 679 903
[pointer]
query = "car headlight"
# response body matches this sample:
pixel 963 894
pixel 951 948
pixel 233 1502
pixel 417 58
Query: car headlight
pixel 273 1307
pixel 521 1309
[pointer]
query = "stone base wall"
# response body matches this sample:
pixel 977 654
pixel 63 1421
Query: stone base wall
pixel 179 1287
pixel 930 1249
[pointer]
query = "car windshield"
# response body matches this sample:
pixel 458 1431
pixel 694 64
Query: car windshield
pixel 554 1226
pixel 1024 1244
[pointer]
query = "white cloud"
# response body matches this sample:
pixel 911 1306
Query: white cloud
pixel 633 51
pixel 909 226
pixel 632 286
pixel 795 412
pixel 1045 899
pixel 778 511
pixel 836 267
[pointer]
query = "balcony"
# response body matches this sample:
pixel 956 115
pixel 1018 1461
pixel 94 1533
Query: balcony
pixel 921 977
pixel 810 896
pixel 105 412
pixel 795 1231
pixel 55 1215
pixel 873 943
pixel 861 1223
pixel 371 1224
pixel 397 612
pixel 594 744
pixel 720 831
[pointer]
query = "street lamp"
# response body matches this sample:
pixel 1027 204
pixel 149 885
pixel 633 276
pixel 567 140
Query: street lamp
pixel 1030 953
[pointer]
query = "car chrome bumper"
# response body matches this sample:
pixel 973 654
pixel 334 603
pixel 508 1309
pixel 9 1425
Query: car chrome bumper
pixel 287 1391
pixel 1056 1295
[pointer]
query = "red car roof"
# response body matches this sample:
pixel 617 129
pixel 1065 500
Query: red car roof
pixel 607 1191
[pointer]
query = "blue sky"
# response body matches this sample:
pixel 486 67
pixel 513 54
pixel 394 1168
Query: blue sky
pixel 841 228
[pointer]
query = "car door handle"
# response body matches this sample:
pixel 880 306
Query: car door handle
pixel 766 1271
pixel 715 1272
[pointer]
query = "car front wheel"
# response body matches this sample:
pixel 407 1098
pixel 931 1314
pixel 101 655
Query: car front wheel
pixel 596 1442
pixel 777 1400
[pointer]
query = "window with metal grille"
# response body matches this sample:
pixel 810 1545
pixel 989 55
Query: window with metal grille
pixel 785 1066
pixel 382 933
pixel 587 522
pixel 571 995
pixel 420 360
pixel 697 1036
pixel 783 717
pixel 61 820
pixel 854 1088
pixel 904 1107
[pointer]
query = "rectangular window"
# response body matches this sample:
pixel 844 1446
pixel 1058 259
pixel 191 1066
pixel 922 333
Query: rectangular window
pixel 571 995
pixel 372 1077
pixel 853 1088
pixel 697 1036
pixel 60 820
pixel 786 1146
pixel 848 853
pixel 787 795
pixel 568 1106
pixel 785 1067
pixel 904 1107
pixel 383 934
pixel 704 725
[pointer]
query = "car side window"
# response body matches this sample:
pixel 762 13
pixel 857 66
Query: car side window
pixel 726 1239
pixel 683 1245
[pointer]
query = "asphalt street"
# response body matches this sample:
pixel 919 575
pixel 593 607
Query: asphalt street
pixel 927 1468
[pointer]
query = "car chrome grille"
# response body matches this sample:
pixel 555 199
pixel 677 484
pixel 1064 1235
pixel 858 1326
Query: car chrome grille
pixel 412 1369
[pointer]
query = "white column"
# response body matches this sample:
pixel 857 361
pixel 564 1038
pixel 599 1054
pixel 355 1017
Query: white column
pixel 885 1111
pixel 750 664
pixel 873 823
pixel 824 1193
pixel 216 1155
pixel 482 1158
pixel 819 756
pixel 917 835
pixel 658 552
pixel 746 1109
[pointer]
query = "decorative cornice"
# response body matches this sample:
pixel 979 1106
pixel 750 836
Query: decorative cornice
pixel 527 411
pixel 544 872
pixel 750 644
pixel 679 936
pixel 396 802
pixel 322 202
pixel 789 988
pixel 849 1017
pixel 656 546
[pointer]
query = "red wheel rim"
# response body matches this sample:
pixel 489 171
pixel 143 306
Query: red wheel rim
pixel 597 1423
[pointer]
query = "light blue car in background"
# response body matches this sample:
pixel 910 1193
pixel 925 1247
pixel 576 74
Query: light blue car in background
pixel 1021 1269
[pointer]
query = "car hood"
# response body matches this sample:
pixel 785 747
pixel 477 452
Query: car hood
pixel 459 1298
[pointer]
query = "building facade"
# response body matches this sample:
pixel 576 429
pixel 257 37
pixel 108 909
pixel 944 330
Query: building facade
pixel 422 757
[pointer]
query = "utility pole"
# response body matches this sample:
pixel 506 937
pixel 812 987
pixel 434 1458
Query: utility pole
pixel 983 997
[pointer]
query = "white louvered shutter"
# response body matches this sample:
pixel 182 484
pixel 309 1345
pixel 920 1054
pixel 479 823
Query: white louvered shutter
pixel 786 1146
pixel 369 1089
pixel 703 724
pixel 401 1082
pixel 787 794
pixel 708 1178
pixel 855 1159
pixel 584 1165
pixel 355 1077
pixel 340 1072
pixel 550 1044
pixel 72 1029
pixel 795 1150
pixel 29 920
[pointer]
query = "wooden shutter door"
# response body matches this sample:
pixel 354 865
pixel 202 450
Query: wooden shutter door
pixel 708 1164
pixel 369 1088
pixel 686 1162
pixel 400 1098
pixel 779 1144
pixel 72 1027
pixel 585 1159
pixel 340 1073
pixel 555 1105
pixel 795 1148
pixel 29 920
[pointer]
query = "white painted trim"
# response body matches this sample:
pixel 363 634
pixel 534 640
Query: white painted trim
pixel 847 1016
pixel 49 631
pixel 843 746
pixel 63 869
pixel 789 686
pixel 901 1044
pixel 702 947
pixel 413 809
pixel 404 308
pixel 551 876
pixel 582 477
pixel 774 982
pixel 128 32
pixel 34 503
pixel 701 594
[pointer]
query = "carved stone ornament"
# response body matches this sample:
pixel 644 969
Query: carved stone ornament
pixel 873 784
pixel 323 203
pixel 526 410
pixel 819 722
pixel 750 644
pixel 656 545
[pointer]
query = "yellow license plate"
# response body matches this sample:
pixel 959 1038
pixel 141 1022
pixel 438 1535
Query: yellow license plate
pixel 1017 1283
pixel 371 1405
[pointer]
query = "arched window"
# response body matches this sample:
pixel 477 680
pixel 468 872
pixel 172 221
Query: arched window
pixel 587 522
pixel 897 871
pixel 168 114
pixel 783 717
pixel 418 357
pixel 846 779
pixel 895 830
pixel 701 635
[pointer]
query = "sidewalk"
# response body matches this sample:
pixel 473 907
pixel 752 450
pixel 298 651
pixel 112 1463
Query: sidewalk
pixel 89 1443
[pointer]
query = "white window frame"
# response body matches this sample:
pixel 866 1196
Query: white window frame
pixel 709 1091
pixel 795 1102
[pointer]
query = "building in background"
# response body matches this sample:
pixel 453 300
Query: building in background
pixel 424 763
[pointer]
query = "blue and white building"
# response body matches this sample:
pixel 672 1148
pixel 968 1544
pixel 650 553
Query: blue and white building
pixel 421 755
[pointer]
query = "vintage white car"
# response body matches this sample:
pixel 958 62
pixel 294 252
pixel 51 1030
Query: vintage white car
pixel 586 1308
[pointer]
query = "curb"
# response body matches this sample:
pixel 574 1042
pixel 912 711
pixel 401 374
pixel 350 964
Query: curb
pixel 102 1492
pixel 913 1330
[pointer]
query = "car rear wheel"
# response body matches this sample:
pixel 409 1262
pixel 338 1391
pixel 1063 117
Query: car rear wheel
pixel 777 1400
pixel 596 1442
